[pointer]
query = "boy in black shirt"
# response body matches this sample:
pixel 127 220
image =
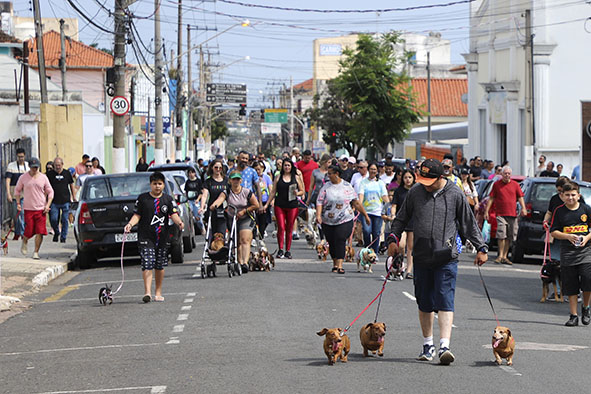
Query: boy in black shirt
pixel 571 227
pixel 152 211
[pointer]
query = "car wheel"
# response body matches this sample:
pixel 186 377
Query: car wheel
pixel 517 253
pixel 176 254
pixel 84 260
pixel 187 244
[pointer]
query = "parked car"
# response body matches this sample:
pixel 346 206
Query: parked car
pixel 185 213
pixel 177 170
pixel 106 204
pixel 537 194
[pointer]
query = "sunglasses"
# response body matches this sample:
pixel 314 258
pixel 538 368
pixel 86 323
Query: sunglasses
pixel 89 165
pixel 217 167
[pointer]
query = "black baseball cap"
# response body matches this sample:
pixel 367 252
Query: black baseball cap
pixel 429 172
pixel 389 155
pixel 34 162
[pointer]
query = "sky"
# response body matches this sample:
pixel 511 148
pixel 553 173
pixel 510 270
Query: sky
pixel 278 42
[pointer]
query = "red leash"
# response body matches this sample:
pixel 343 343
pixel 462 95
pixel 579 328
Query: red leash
pixel 368 305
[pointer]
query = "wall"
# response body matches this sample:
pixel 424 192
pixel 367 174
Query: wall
pixel 9 129
pixel 89 82
pixel 60 133
pixel 94 135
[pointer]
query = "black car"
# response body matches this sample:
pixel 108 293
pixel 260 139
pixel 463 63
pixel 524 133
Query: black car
pixel 105 206
pixel 537 194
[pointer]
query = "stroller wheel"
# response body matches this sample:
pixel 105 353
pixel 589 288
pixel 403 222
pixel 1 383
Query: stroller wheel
pixel 238 269
pixel 230 271
pixel 203 269
pixel 213 270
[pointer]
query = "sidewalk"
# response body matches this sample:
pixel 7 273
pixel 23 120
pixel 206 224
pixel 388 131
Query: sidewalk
pixel 21 275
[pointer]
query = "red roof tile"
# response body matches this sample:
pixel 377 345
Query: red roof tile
pixel 446 96
pixel 8 38
pixel 78 54
pixel 305 86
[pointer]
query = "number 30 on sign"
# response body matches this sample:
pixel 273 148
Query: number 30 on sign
pixel 119 105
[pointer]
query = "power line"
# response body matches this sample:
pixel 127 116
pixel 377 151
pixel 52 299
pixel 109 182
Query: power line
pixel 83 15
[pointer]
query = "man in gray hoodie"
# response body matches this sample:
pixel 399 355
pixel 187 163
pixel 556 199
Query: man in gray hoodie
pixel 441 216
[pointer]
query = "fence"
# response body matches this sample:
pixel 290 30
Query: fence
pixel 7 155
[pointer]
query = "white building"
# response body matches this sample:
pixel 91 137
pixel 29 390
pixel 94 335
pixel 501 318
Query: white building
pixel 502 113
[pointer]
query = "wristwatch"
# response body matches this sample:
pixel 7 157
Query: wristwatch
pixel 483 249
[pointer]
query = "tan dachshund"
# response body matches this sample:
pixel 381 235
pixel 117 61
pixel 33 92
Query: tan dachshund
pixel 503 345
pixel 322 250
pixel 372 338
pixel 349 253
pixel 217 243
pixel 335 345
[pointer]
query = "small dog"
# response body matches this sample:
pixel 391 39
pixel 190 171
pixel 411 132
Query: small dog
pixel 372 338
pixel 396 267
pixel 365 258
pixel 261 260
pixel 550 273
pixel 4 244
pixel 105 295
pixel 311 237
pixel 322 250
pixel 217 243
pixel 335 345
pixel 358 233
pixel 349 253
pixel 503 345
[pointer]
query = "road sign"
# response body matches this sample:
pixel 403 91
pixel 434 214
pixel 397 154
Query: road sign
pixel 178 131
pixel 227 114
pixel 119 105
pixel 165 124
pixel 276 115
pixel 270 128
pixel 223 93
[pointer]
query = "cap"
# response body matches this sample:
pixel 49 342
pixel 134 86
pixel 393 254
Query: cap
pixel 447 162
pixel 430 171
pixel 352 160
pixel 34 162
pixel 236 175
pixel 381 163
pixel 343 157
pixel 389 155
pixel 465 171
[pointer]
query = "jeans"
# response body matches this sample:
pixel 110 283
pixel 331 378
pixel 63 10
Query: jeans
pixel 371 232
pixel 54 218
pixel 19 225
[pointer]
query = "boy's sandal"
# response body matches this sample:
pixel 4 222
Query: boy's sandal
pixel 340 271
pixel 334 269
pixel 147 298
pixel 159 299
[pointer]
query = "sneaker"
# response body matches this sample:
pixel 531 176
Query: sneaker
pixel 63 240
pixel 280 254
pixel 295 236
pixel 36 256
pixel 446 357
pixel 586 312
pixel 24 249
pixel 56 237
pixel 244 268
pixel 288 255
pixel 428 353
pixel 573 321
pixel 253 243
pixel 16 237
pixel 409 276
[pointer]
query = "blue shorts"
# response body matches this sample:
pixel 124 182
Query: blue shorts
pixel 435 287
pixel 153 258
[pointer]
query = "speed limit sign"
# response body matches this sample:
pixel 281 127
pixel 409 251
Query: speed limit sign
pixel 119 105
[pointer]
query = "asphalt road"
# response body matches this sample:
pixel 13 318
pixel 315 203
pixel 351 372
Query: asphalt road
pixel 257 334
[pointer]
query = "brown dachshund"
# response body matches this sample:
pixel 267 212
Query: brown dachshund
pixel 322 250
pixel 217 243
pixel 503 345
pixel 349 253
pixel 372 338
pixel 335 345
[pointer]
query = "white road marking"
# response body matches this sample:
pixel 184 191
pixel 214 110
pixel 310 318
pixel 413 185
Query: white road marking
pixel 178 328
pixel 498 268
pixel 138 296
pixel 550 347
pixel 153 390
pixel 188 300
pixel 191 294
pixel 409 295
pixel 186 308
pixel 71 349
pixel 183 316
pixel 196 275
pixel 510 370
pixel 173 341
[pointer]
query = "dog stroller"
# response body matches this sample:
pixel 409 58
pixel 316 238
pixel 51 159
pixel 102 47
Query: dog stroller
pixel 228 254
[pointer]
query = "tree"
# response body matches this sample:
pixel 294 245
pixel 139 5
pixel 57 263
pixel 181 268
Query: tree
pixel 219 130
pixel 333 115
pixel 381 99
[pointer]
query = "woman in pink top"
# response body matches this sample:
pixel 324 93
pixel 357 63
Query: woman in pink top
pixel 37 197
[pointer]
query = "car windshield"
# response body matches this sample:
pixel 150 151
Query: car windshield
pixel 119 187
pixel 543 192
pixel 586 193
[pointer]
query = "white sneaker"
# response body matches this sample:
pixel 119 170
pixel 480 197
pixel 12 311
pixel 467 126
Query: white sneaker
pixel 24 249
pixel 36 256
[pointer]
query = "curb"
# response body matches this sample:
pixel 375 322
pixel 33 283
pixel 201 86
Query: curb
pixel 6 302
pixel 49 274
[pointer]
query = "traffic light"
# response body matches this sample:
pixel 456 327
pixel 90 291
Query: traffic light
pixel 262 114
pixel 242 111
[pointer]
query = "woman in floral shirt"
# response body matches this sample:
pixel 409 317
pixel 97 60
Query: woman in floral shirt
pixel 334 211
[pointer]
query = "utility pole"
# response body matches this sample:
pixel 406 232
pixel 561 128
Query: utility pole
pixel 158 145
pixel 291 141
pixel 63 59
pixel 119 65
pixel 201 94
pixel 179 81
pixel 429 134
pixel 190 146
pixel 529 54
pixel 26 75
pixel 40 52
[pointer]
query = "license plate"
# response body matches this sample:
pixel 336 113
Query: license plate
pixel 130 237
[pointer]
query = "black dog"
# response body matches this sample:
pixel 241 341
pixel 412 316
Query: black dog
pixel 105 295
pixel 550 273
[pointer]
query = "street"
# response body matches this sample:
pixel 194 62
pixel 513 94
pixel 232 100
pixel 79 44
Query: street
pixel 257 333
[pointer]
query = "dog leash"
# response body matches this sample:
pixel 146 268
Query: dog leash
pixel 547 250
pixel 122 270
pixel 10 230
pixel 488 296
